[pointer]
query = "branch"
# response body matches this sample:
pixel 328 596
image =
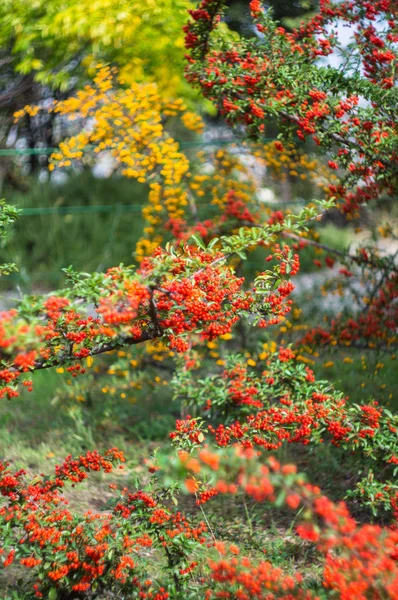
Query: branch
pixel 100 349
pixel 343 141
pixel 26 84
pixel 153 313
pixel 357 259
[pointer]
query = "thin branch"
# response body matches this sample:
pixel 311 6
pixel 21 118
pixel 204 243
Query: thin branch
pixel 344 141
pixel 357 259
pixel 100 349
pixel 22 87
pixel 153 313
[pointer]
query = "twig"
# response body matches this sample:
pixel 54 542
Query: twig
pixel 352 257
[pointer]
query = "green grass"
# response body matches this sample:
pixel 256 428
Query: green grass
pixel 38 424
pixel 41 245
pixel 371 375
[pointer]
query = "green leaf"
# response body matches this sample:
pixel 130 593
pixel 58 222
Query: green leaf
pixel 213 243
pixel 199 242
pixel 280 499
pixel 52 594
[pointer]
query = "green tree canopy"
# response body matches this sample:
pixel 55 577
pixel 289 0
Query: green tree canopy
pixel 50 43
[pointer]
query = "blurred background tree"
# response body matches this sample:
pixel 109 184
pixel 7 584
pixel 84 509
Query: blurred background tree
pixel 53 43
pixel 47 49
pixel 289 13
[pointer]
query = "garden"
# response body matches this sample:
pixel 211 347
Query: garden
pixel 198 300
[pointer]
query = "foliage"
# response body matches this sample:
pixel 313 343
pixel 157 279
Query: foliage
pixel 281 77
pixel 191 293
pixel 54 41
pixel 106 552
pixel 130 128
pixel 176 291
pixel 8 215
pixel 280 402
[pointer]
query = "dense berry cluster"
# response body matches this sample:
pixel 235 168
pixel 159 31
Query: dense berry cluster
pixel 283 403
pixel 176 292
pixel 104 551
pixel 357 559
pixel 279 76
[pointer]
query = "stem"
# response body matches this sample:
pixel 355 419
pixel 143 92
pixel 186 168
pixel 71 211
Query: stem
pixel 154 314
pixel 248 517
pixel 356 259
pixel 206 519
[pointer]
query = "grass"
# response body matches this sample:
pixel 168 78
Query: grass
pixel 37 432
pixel 371 375
pixel 43 244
